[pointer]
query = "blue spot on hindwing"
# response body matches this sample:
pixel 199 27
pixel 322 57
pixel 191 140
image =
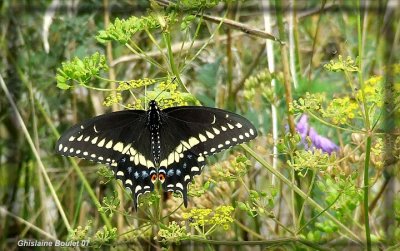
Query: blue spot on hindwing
pixel 170 172
pixel 145 174
pixel 178 172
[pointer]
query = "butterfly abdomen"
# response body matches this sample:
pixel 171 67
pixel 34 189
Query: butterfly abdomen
pixel 153 124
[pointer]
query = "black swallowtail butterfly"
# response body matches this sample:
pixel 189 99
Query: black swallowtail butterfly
pixel 168 145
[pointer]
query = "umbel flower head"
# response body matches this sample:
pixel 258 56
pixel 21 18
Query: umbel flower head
pixel 317 141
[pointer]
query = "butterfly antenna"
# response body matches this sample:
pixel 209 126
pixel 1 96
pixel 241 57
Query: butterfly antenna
pixel 145 97
pixel 165 88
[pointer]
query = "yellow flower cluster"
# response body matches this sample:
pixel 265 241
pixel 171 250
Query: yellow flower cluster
pixel 342 64
pixel 341 110
pixel 311 102
pixel 80 233
pixel 173 233
pixel 396 87
pixel 315 160
pixel 222 216
pixel 373 91
pixel 132 84
pixel 198 216
pixel 394 69
pixel 113 99
pixel 104 236
pixel 377 151
pixel 136 106
pixel 202 217
pixel 233 169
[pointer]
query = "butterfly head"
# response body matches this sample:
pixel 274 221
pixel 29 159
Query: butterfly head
pixel 153 105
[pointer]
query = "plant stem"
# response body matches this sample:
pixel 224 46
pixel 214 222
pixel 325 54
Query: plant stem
pixel 297 200
pixel 264 243
pixel 314 174
pixel 334 126
pixel 248 230
pixel 380 193
pixel 319 214
pixel 174 69
pixel 366 190
pixel 112 77
pixel 368 127
pixel 143 55
pixel 285 67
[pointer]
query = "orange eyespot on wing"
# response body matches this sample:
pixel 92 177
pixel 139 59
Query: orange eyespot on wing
pixel 161 177
pixel 153 178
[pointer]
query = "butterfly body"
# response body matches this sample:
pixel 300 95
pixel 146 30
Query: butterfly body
pixel 168 145
pixel 153 124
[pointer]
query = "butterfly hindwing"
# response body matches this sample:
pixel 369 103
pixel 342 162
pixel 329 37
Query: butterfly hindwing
pixel 179 172
pixel 136 177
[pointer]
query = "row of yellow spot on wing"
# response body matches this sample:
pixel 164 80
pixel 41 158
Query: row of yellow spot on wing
pixel 84 154
pixel 228 142
pixel 118 147
pixel 176 155
pixel 217 131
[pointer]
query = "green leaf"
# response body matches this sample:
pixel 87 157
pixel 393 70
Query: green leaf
pixel 63 85
pixel 80 71
pixel 207 74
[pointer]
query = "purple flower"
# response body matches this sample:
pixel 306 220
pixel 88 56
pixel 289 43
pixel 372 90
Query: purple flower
pixel 318 141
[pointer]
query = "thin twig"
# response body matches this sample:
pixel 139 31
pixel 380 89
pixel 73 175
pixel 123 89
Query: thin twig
pixel 176 48
pixel 244 28
pixel 263 243
pixel 112 77
pixel 30 225
pixel 379 194
pixel 231 23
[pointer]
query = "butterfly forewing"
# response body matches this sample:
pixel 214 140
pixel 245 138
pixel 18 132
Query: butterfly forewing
pixel 105 138
pixel 209 130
